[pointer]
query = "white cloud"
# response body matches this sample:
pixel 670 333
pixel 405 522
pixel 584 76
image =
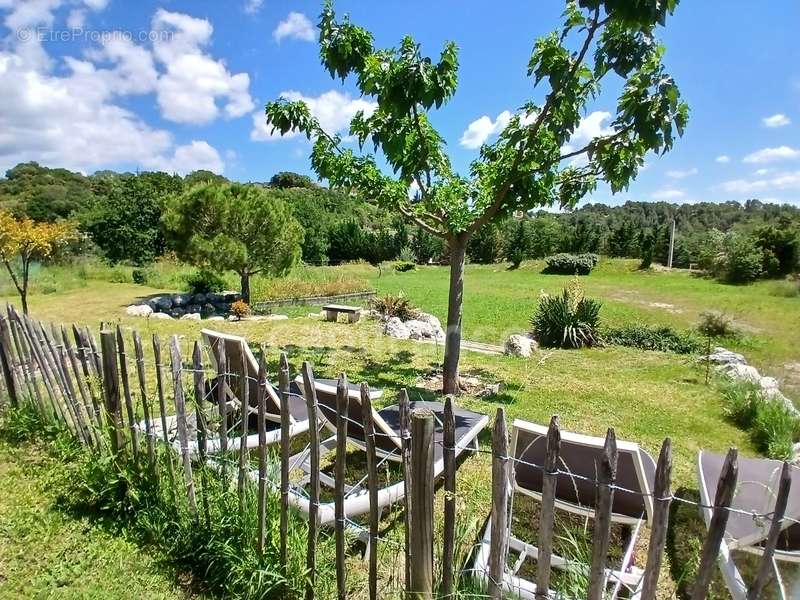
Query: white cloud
pixel 190 157
pixel 70 117
pixel 295 26
pixel 590 127
pixel 333 109
pixel 251 7
pixel 76 19
pixel 776 120
pixel 762 172
pixel 25 14
pixel 781 181
pixel 723 158
pixel 668 194
pixel 767 155
pixel 483 128
pixel 195 83
pixel 677 174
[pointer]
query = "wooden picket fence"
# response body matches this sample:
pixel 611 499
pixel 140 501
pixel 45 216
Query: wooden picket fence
pixel 90 388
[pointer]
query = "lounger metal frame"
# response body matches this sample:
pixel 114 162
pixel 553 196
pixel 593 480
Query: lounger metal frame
pixel 515 584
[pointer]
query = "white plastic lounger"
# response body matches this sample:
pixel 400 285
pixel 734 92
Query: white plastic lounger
pixel 579 457
pixel 388 447
pixel 756 490
pixel 244 368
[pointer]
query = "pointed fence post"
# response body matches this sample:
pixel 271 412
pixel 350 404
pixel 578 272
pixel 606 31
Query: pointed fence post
pixel 244 455
pixel 421 536
pixel 162 408
pixel 93 427
pixel 148 425
pixel 405 433
pixel 313 495
pixel 342 398
pixel 92 379
pixel 222 402
pixel 7 362
pixel 500 494
pixel 262 451
pixel 449 456
pixel 126 389
pixel 775 528
pixel 662 498
pixel 726 487
pixel 607 474
pixel 27 356
pixel 283 383
pixel 23 365
pixel 111 390
pixel 180 410
pixel 372 484
pixel 547 510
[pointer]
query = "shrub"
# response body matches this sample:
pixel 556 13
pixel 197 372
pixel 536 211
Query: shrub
pixel 716 324
pixel 742 400
pixel 570 264
pixel 394 306
pixel 403 267
pixel 240 309
pixel 568 320
pixel 789 288
pixel 141 276
pixel 204 281
pixel 660 338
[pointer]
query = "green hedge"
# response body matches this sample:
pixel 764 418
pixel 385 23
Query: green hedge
pixel 570 264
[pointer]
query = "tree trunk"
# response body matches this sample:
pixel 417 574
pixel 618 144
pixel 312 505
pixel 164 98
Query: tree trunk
pixel 452 346
pixel 245 275
pixel 23 296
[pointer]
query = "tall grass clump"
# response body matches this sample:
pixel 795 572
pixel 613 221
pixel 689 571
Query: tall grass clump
pixel 661 338
pixel 772 426
pixel 218 545
pixel 568 320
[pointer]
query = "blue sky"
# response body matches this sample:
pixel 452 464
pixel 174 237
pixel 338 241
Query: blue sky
pixel 181 85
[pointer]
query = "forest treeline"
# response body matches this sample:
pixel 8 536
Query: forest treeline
pixel 120 213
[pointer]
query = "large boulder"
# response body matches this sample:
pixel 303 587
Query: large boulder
pixel 161 315
pixel 208 309
pixel 397 329
pixel 200 299
pixel 177 313
pixel 229 296
pixel 181 300
pixel 420 330
pixel 740 372
pixel 194 316
pixel 436 333
pixel 216 318
pixel 520 345
pixel 139 310
pixel 193 308
pixel 161 303
pixel 721 356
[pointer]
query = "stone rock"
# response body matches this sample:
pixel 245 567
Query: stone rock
pixel 277 317
pixel 161 304
pixel 768 383
pixel 222 307
pixel 216 318
pixel 520 345
pixel 397 329
pixel 229 296
pixel 139 310
pixel 200 299
pixel 208 309
pixel 181 300
pixel 193 316
pixel 419 330
pixel 721 356
pixel 177 313
pixel 160 315
pixel 740 372
pixel 193 308
pixel 432 320
pixel 213 298
pixel 233 318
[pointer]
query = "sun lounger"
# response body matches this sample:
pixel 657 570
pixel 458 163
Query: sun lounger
pixel 388 443
pixel 575 493
pixel 756 490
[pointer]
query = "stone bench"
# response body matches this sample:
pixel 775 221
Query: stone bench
pixel 332 312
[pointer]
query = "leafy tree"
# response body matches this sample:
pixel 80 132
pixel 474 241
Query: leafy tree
pixel 202 176
pixel 233 227
pixel 23 241
pixel 781 247
pixel 743 258
pixel 125 219
pixel 518 244
pixel 526 167
pixel 426 247
pixel 487 245
pixel 44 194
pixel 546 236
pixel 287 179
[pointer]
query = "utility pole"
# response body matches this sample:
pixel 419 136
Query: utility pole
pixel 671 244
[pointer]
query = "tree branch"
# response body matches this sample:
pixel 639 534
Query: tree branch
pixel 423 147
pixel 491 211
pixel 409 214
pixel 598 141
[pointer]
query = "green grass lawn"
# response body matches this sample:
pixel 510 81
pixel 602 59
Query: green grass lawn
pixel 45 553
pixel 645 396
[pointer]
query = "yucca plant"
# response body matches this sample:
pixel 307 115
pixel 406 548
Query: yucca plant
pixel 394 306
pixel 569 320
